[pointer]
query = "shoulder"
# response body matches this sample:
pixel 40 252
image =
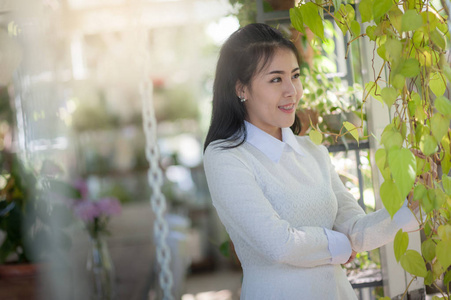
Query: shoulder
pixel 309 146
pixel 220 150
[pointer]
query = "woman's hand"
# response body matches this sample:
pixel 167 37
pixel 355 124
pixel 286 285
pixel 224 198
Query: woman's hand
pixel 352 257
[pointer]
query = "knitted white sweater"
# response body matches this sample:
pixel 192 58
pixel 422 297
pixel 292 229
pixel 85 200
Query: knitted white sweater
pixel 276 212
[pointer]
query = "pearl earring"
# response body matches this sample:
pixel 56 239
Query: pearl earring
pixel 242 99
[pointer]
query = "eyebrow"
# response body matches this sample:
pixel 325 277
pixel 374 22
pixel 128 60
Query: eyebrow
pixel 282 72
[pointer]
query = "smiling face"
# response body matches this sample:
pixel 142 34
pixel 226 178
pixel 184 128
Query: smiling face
pixel 274 93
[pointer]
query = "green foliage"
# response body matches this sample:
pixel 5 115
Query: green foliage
pixel 312 18
pixel 400 244
pixel 413 263
pixel 412 39
pixel 316 136
pixel 27 210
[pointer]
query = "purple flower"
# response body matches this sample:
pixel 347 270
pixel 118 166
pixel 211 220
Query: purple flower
pixel 109 207
pixel 87 210
pixel 81 185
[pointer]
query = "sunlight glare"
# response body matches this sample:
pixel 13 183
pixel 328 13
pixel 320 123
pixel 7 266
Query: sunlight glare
pixel 221 30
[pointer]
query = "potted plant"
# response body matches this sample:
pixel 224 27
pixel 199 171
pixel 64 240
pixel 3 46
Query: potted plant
pixel 333 101
pixel 30 201
pixel 415 159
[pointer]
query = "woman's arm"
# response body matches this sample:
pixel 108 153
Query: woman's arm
pixel 250 218
pixel 366 231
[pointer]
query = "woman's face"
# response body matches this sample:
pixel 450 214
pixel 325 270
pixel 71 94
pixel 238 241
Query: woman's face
pixel 274 94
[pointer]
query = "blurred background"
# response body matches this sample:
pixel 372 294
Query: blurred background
pixel 77 220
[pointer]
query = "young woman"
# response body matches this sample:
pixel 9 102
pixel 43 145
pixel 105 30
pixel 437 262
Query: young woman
pixel 291 220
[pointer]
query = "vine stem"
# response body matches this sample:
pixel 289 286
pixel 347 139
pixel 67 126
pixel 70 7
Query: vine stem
pixel 438 288
pixel 349 44
pixel 407 288
pixel 375 82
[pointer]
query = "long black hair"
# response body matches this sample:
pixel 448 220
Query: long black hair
pixel 245 53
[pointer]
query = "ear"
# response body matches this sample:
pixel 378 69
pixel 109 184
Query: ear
pixel 240 89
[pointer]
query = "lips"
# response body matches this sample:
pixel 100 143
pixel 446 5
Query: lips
pixel 288 108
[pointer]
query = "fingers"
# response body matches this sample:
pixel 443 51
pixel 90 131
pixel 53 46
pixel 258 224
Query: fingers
pixel 352 257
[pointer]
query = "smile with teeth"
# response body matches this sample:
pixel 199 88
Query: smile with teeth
pixel 287 108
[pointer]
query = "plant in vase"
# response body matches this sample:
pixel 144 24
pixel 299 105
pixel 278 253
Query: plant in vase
pixel 96 216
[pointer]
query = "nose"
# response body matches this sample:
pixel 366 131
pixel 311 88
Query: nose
pixel 290 89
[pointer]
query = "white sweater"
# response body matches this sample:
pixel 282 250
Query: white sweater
pixel 276 202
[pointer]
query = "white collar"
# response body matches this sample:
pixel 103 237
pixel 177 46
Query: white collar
pixel 269 145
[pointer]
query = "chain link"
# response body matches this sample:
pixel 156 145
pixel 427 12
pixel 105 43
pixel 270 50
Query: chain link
pixel 157 200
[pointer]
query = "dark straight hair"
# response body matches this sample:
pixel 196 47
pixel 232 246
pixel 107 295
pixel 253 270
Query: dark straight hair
pixel 245 53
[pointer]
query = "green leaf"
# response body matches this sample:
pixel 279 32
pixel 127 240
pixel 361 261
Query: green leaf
pixel 420 114
pixel 312 19
pixel 428 201
pixel 315 136
pixel 382 51
pixel 434 200
pixel 381 158
pixel 428 144
pixel 438 39
pixel 391 138
pixel 437 84
pixel 337 4
pixel 428 249
pixel 296 19
pixel 446 163
pixel 350 13
pixel 439 126
pixel 391 198
pixel 430 19
pixel 389 95
pixel 341 22
pixel 374 90
pixel 403 168
pixel 413 263
pixel 380 8
pixel 440 198
pixel 447 278
pixel 444 232
pixel 429 279
pixel 410 68
pixel 393 50
pixel 398 81
pixel 418 38
pixel 444 253
pixel 355 28
pixel 419 192
pixel 443 105
pixel 411 20
pixel 352 130
pixel 381 162
pixel 395 15
pixel 370 33
pixel 365 8
pixel 446 182
pixel 400 244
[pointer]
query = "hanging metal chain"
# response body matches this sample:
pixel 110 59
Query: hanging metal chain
pixel 157 200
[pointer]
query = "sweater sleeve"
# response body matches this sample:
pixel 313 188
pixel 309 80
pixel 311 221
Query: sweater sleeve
pixel 249 217
pixel 365 231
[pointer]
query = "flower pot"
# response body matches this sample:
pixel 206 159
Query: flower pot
pixel 281 4
pixel 334 122
pixel 305 117
pixel 20 281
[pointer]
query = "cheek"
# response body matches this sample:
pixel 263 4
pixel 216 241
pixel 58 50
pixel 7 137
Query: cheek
pixel 299 90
